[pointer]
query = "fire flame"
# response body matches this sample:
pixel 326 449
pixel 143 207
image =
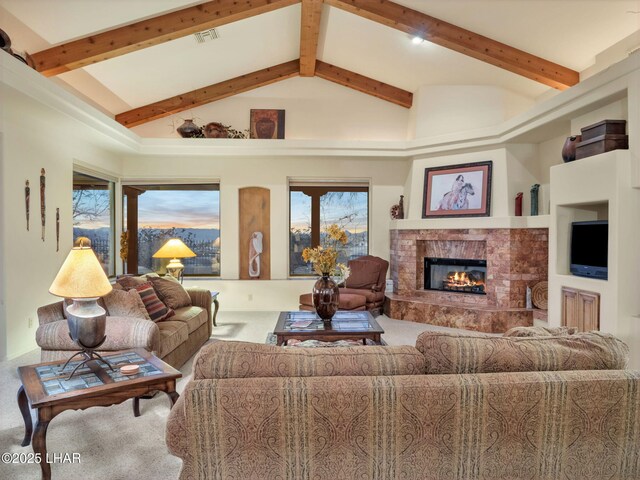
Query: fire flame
pixel 462 279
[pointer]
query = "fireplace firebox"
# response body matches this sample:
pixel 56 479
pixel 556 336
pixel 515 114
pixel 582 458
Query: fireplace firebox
pixel 455 275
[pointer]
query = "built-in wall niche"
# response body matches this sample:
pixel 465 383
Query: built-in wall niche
pixel 565 216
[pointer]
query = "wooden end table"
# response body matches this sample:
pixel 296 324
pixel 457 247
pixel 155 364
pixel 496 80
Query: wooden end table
pixel 46 388
pixel 344 325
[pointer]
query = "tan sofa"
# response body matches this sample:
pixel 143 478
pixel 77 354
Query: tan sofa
pixel 446 409
pixel 174 340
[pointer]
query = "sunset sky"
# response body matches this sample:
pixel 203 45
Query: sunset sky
pixel 180 209
pixel 167 209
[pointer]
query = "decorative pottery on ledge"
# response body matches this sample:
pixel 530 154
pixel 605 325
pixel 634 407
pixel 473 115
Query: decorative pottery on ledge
pixel 326 297
pixel 569 148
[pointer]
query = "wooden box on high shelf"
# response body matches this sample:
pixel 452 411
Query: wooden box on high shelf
pixel 601 144
pixel 605 127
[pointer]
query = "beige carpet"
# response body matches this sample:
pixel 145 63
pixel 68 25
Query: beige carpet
pixel 112 443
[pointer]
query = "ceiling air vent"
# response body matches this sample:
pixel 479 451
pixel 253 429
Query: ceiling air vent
pixel 206 35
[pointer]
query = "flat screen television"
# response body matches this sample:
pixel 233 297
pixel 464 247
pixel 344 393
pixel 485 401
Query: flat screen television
pixel 589 249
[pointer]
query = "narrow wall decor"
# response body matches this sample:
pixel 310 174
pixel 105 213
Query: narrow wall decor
pixel 255 250
pixel 57 229
pixel 42 201
pixel 27 198
pixel 254 204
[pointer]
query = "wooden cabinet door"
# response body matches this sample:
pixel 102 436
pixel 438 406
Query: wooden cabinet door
pixel 589 310
pixel 580 309
pixel 570 316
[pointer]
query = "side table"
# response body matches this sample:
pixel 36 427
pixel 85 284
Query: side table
pixel 46 388
pixel 216 305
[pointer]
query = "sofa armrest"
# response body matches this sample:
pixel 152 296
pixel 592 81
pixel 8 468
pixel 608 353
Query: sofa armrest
pixel 122 333
pixel 51 313
pixel 201 297
pixel 176 433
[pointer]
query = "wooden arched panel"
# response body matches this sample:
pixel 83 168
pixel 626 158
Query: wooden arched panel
pixel 255 216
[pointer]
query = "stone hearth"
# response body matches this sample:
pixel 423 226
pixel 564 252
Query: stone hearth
pixel 515 258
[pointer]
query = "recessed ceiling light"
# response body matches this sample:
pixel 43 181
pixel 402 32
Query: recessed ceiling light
pixel 417 40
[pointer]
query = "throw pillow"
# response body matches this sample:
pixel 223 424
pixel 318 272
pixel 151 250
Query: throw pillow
pixel 447 353
pixel 171 292
pixel 125 303
pixel 540 331
pixel 157 310
pixel 129 281
pixel 364 274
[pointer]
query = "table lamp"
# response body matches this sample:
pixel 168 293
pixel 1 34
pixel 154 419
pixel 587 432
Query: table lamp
pixel 174 249
pixel 82 279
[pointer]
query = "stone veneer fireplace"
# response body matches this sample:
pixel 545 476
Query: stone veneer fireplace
pixel 509 258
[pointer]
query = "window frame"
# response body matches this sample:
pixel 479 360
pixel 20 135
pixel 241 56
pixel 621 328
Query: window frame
pixel 131 223
pixel 111 187
pixel 316 191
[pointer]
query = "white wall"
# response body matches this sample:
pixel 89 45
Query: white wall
pixel 386 177
pixel 37 137
pixel 314 109
pixel 442 109
pixel 617 110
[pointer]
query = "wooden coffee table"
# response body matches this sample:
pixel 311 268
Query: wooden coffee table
pixel 46 388
pixel 344 325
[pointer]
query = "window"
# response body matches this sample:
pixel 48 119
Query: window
pixel 160 212
pixel 312 208
pixel 93 216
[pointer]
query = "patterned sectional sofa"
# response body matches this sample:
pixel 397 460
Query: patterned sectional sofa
pixel 453 407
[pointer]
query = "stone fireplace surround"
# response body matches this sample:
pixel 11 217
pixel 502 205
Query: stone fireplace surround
pixel 516 257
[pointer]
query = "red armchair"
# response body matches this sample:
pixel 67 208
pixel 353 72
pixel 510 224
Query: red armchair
pixel 363 290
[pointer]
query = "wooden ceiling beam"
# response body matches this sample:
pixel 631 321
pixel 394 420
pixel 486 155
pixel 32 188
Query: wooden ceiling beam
pixel 364 84
pixel 461 40
pixel 209 94
pixel 309 33
pixel 150 32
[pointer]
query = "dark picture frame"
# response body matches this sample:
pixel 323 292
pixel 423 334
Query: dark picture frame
pixel 266 124
pixel 457 191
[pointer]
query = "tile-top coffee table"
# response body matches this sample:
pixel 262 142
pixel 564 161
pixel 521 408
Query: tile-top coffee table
pixel 344 325
pixel 47 388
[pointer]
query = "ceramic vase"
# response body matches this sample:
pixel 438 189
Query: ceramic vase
pixel 326 297
pixel 189 129
pixel 569 148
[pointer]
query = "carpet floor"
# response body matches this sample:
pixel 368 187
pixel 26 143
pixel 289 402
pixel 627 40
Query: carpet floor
pixel 112 443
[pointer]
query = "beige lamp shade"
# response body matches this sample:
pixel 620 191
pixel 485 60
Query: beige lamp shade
pixel 174 248
pixel 81 276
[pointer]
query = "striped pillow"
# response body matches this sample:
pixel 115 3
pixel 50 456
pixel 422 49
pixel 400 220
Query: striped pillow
pixel 157 310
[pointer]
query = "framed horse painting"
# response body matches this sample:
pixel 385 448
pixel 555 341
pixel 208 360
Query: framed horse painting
pixel 457 191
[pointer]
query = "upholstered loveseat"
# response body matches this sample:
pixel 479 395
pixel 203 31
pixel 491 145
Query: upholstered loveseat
pixel 451 408
pixel 174 340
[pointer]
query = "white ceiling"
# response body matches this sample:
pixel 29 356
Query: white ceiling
pixel 569 32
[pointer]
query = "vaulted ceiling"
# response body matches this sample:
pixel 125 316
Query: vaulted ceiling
pixel 139 60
